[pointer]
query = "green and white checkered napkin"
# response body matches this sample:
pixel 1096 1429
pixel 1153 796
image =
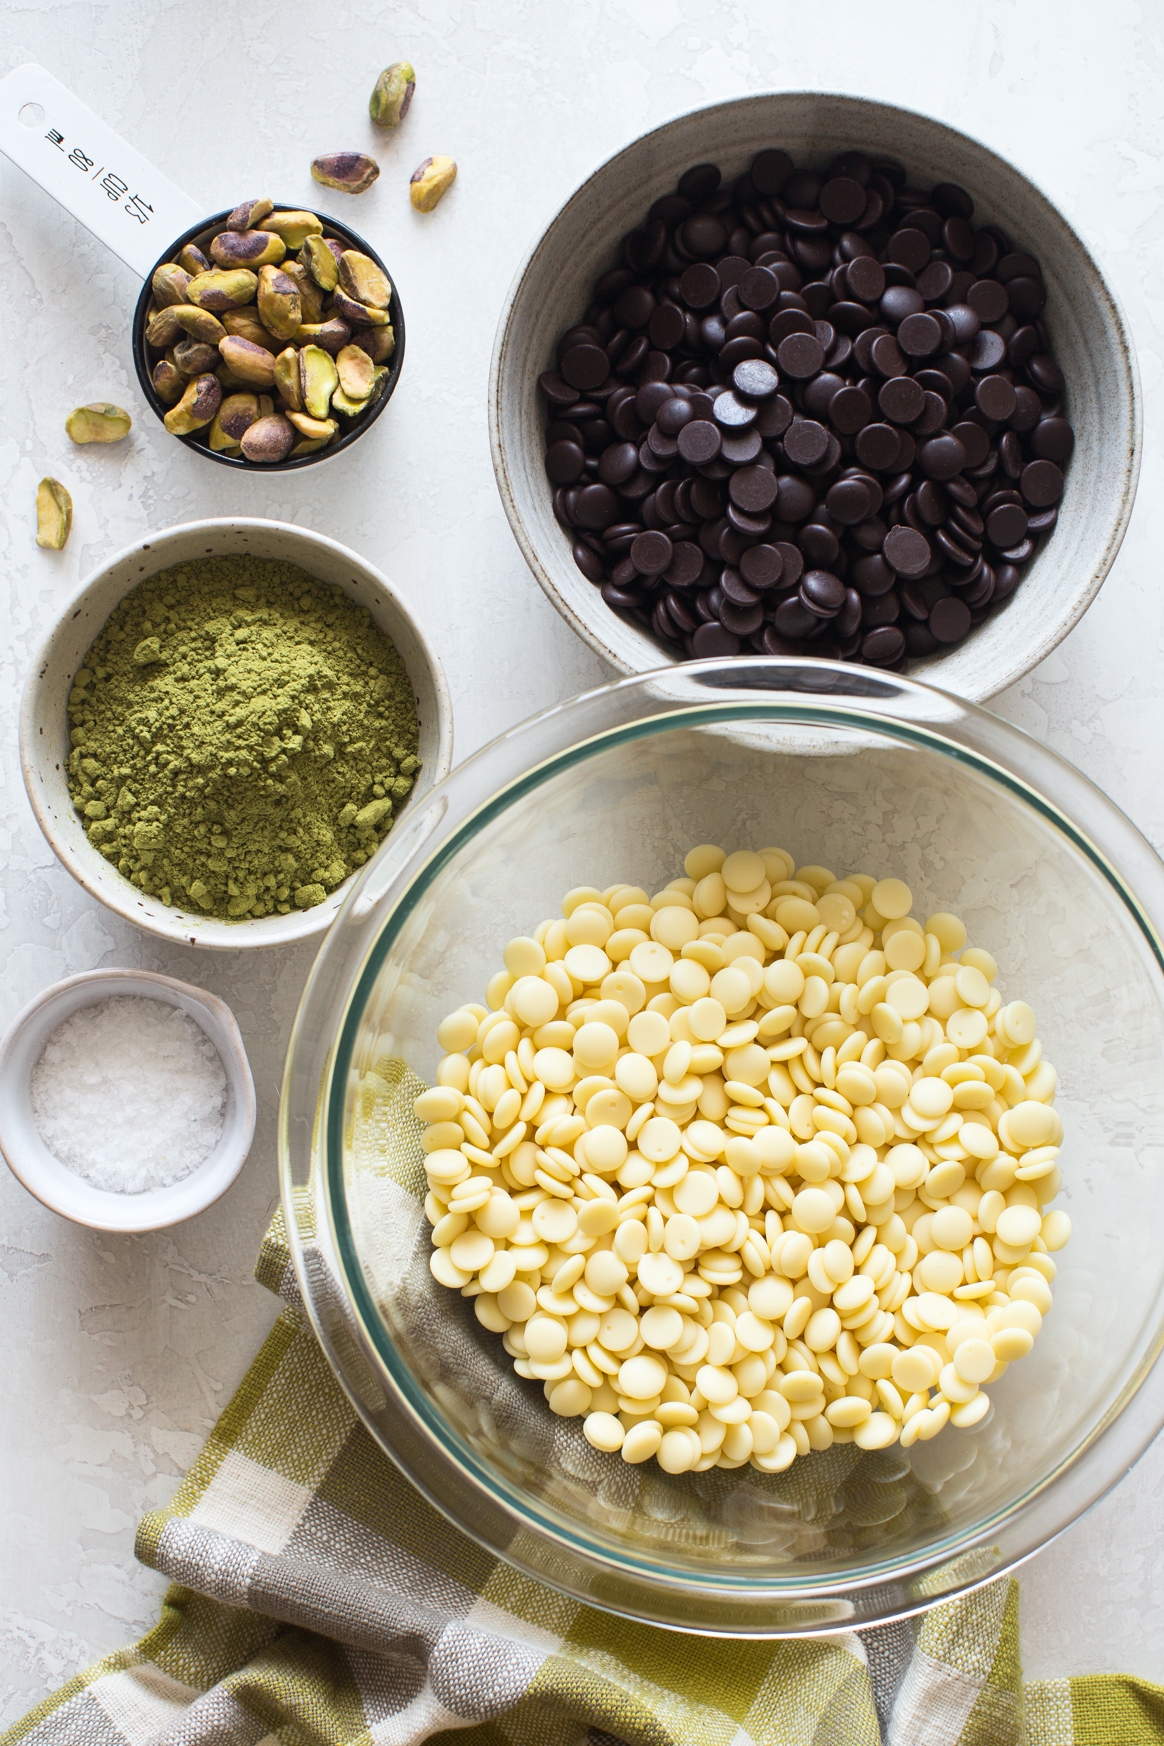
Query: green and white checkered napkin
pixel 316 1598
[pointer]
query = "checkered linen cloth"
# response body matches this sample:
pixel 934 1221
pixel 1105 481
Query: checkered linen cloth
pixel 318 1600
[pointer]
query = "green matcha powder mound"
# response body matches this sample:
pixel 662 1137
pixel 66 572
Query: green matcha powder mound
pixel 243 736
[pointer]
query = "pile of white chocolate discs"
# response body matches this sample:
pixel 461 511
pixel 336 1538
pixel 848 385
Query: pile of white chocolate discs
pixel 749 1167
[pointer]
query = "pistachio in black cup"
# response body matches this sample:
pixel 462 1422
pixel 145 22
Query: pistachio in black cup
pixel 268 337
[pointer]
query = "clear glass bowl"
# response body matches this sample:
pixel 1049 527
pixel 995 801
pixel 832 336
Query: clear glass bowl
pixel 860 771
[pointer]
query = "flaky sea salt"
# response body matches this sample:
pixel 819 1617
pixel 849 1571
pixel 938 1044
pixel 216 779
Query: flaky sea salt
pixel 129 1094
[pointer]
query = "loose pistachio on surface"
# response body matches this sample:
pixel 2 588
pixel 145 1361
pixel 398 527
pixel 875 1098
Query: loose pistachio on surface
pixel 392 94
pixel 98 422
pixel 54 515
pixel 262 347
pixel 429 181
pixel 351 172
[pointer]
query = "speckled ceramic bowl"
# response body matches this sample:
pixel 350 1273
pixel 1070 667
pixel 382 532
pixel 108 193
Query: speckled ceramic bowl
pixel 1087 328
pixel 44 727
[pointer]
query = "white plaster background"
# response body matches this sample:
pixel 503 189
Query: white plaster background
pixel 119 1352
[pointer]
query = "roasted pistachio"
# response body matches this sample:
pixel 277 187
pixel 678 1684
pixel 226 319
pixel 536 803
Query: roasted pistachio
pixel 318 378
pixel 324 428
pixel 378 342
pixel 341 402
pixel 248 361
pixel 168 380
pixel 279 308
pixel 332 335
pixel 320 262
pixel 354 368
pixel 295 227
pixel 197 406
pixel 231 384
pixel 358 314
pixel 245 324
pixel 287 378
pixel 351 172
pixel 99 422
pixel 192 260
pixel 169 284
pixel 363 280
pixel 163 328
pixel 310 296
pixel 194 357
pixel 429 181
pixel 233 419
pixel 307 446
pixel 392 94
pixel 249 213
pixel 266 406
pixel 200 324
pixel 222 288
pixel 247 248
pixel 268 439
pixel 54 515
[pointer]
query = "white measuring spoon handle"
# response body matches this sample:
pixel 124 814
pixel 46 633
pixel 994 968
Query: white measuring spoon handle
pixel 82 163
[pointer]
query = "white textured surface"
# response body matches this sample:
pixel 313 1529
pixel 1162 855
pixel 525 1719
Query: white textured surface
pixel 120 1351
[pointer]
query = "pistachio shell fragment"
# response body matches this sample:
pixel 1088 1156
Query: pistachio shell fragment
pixel 279 308
pixel 54 515
pixel 287 378
pixel 245 324
pixel 197 406
pixel 378 342
pixel 363 280
pixel 332 335
pixel 351 172
pixel 221 288
pixel 169 284
pixel 194 357
pixel 318 378
pixel 361 314
pixel 323 428
pixel 163 328
pixel 354 368
pixel 98 423
pixel 247 248
pixel 249 213
pixel 392 94
pixel 250 362
pixel 200 324
pixel 233 419
pixel 192 260
pixel 169 382
pixel 320 262
pixel 269 439
pixel 295 227
pixel 429 181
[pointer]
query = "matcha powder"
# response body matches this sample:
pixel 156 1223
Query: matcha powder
pixel 243 736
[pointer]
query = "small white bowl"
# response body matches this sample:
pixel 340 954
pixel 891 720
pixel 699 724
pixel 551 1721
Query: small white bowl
pixel 44 725
pixel 1087 327
pixel 59 1188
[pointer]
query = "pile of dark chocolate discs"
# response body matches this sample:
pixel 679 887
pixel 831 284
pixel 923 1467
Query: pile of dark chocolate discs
pixel 809 413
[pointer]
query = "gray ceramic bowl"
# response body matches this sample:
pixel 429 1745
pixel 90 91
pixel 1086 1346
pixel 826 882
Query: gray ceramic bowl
pixel 1087 327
